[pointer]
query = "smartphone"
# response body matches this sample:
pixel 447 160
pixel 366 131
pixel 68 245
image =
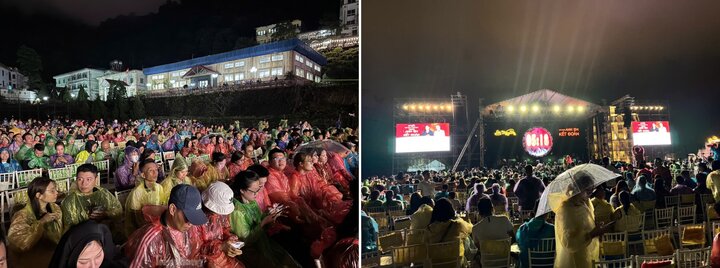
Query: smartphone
pixel 238 244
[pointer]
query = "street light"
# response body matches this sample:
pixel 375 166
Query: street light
pixel 45 98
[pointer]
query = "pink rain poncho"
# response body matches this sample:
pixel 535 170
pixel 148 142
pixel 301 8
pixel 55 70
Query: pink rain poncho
pixel 158 245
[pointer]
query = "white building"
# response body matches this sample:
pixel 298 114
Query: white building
pixel 321 34
pixel 86 78
pixel 134 81
pixel 11 78
pixel 349 17
pixel 18 95
pixel 264 33
pixel 263 62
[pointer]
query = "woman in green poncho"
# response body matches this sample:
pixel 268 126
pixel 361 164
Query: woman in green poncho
pixel 249 224
pixel 50 145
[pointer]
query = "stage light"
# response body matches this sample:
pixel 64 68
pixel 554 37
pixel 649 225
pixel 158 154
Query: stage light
pixel 412 107
pixel 535 108
pixel 421 107
pixel 435 107
pixel 427 107
pixel 510 109
pixel 581 109
pixel 449 107
pixel 571 108
pixel 405 107
pixel 662 107
pixel 556 108
pixel 523 108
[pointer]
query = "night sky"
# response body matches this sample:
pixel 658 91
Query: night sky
pixel 592 50
pixel 90 12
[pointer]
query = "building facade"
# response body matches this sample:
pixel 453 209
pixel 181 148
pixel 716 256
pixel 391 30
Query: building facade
pixel 86 78
pixel 18 95
pixel 263 62
pixel 133 80
pixel 264 33
pixel 349 17
pixel 11 78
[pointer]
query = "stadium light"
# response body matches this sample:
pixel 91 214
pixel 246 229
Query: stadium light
pixel 581 109
pixel 427 107
pixel 523 108
pixel 535 108
pixel 570 108
pixel 449 108
pixel 412 107
pixel 510 109
pixel 435 107
pixel 405 107
pixel 556 108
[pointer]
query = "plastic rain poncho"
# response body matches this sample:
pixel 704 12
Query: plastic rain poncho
pixel 141 196
pixel 158 245
pixel 50 145
pixel 32 243
pixel 38 161
pixel 214 234
pixel 259 250
pixel 76 206
pixel 321 196
pixel 11 165
pixel 124 176
pixel 573 222
pixel 528 234
pixel 212 174
pixel 86 156
pixel 173 179
pixel 22 153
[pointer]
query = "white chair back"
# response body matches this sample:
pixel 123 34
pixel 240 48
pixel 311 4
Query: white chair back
pixel 664 217
pixel 543 255
pixel 693 258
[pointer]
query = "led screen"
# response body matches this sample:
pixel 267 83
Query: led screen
pixel 651 133
pixel 422 137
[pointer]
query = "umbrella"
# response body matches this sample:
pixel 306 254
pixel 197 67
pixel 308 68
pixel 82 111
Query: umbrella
pixel 572 182
pixel 328 145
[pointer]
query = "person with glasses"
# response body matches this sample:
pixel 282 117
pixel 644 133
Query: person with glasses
pixel 172 237
pixel 252 226
pixel 306 223
pixel 36 229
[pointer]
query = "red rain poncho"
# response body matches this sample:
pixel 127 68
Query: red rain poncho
pixel 340 174
pixel 156 245
pixel 214 234
pixel 316 228
pixel 321 196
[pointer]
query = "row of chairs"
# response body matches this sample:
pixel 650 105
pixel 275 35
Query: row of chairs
pixel 691 258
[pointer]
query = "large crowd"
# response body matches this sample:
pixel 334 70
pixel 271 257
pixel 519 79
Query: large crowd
pixel 177 193
pixel 650 210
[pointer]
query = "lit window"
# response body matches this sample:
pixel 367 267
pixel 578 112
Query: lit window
pixel 239 64
pixel 277 71
pixel 263 73
pixel 229 77
pixel 299 72
pixel 317 67
pixel 310 76
pixel 264 59
pixel 228 65
pixel 317 79
pixel 309 63
pixel 239 76
pixel 277 57
pixel 299 58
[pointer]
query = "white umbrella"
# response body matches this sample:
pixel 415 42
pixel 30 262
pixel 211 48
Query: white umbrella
pixel 572 182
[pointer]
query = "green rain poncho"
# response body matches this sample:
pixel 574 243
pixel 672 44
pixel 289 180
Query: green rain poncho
pixel 76 206
pixel 259 250
pixel 50 145
pixel 22 153
pixel 70 148
pixel 38 162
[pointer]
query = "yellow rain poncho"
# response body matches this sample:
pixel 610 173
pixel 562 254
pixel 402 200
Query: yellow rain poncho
pixel 76 206
pixel 573 222
pixel 603 210
pixel 172 180
pixel 139 197
pixel 32 243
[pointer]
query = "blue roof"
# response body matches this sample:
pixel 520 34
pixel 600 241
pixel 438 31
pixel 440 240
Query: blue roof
pixel 264 49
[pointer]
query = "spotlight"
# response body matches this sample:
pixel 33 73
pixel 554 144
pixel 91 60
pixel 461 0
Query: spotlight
pixel 662 107
pixel 510 109
pixel 523 108
pixel 449 107
pixel 571 108
pixel 412 107
pixel 435 107
pixel 581 109
pixel 556 108
pixel 535 108
pixel 405 107
pixel 421 108
pixel 427 107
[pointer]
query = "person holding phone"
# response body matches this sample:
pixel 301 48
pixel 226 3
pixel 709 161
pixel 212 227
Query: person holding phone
pixel 220 245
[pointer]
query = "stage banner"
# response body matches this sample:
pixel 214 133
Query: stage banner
pixel 422 137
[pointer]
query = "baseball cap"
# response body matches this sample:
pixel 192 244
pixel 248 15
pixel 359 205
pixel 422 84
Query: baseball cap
pixel 218 198
pixel 187 199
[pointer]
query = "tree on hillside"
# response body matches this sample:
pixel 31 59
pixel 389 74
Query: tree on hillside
pixel 342 63
pixel 30 64
pixel 82 94
pixel 98 109
pixel 138 108
pixel 284 30
pixel 66 95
